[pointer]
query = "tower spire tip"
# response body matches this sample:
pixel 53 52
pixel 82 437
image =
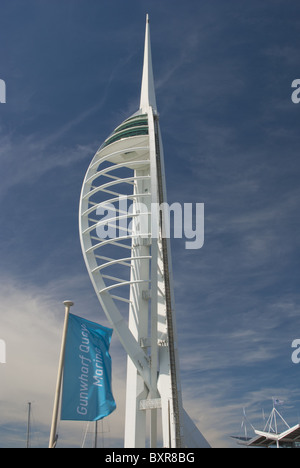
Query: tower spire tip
pixel 147 90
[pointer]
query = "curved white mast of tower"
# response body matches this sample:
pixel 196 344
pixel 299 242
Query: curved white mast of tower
pixel 129 263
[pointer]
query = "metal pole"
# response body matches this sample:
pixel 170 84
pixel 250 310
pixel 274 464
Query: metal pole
pixel 52 440
pixel 28 425
pixel 96 434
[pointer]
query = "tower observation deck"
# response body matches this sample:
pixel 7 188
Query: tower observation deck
pixel 128 257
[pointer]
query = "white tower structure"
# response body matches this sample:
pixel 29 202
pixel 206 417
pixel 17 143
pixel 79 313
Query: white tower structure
pixel 128 258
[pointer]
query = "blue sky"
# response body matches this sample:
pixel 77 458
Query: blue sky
pixel 223 74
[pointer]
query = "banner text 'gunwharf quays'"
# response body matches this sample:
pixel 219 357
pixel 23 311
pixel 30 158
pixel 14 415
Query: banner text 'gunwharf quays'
pixel 87 393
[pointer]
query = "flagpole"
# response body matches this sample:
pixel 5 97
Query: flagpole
pixel 52 440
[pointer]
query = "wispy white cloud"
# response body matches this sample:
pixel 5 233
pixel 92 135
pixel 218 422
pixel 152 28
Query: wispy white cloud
pixel 31 325
pixel 31 158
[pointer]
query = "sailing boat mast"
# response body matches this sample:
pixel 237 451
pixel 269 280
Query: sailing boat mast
pixel 28 425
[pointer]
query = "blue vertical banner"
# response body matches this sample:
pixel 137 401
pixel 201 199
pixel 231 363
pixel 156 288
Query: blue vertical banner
pixel 87 393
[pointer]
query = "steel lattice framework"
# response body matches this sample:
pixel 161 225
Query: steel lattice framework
pixel 128 259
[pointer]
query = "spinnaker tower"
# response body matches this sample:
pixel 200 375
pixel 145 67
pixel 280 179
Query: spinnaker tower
pixel 122 223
